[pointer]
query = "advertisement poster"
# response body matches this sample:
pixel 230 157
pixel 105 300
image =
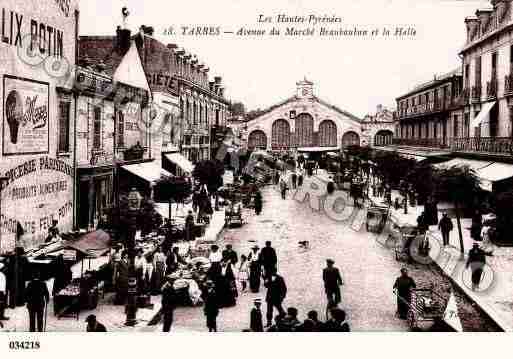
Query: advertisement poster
pixel 25 117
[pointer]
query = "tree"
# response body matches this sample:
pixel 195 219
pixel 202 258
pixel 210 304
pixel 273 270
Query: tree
pixel 504 211
pixel 457 185
pixel 172 189
pixel 238 109
pixel 209 173
pixel 422 178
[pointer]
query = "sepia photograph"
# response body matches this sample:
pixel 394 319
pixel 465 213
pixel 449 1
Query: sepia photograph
pixel 285 166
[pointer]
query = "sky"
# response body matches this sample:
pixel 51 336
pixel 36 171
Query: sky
pixel 355 74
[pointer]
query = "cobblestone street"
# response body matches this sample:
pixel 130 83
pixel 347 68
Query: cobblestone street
pixel 368 269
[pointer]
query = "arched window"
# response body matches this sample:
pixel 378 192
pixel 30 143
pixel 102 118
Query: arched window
pixel 304 130
pixel 257 139
pixel 350 138
pixel 327 134
pixel 280 134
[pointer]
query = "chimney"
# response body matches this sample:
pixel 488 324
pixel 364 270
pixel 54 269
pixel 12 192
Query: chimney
pixel 472 25
pixel 379 108
pixel 122 40
pixel 218 79
pixel 483 16
pixel 501 8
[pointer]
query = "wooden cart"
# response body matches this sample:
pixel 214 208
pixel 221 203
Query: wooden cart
pixel 425 308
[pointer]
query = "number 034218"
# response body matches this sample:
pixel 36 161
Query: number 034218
pixel 28 345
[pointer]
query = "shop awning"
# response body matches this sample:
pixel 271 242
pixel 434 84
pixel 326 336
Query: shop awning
pixel 91 245
pixel 494 173
pixel 485 111
pixel 412 157
pixel 318 149
pixel 179 160
pixel 475 165
pixel 148 171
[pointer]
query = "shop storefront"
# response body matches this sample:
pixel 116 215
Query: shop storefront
pixel 37 107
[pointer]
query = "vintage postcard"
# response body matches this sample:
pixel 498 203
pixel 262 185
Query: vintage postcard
pixel 268 166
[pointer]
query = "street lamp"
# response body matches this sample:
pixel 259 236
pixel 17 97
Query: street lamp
pixel 2 180
pixel 134 204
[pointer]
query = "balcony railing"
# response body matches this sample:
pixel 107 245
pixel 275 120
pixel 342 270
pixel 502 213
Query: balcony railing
pixel 489 145
pixel 508 84
pixel 491 88
pixel 421 142
pixel 496 145
pixel 476 93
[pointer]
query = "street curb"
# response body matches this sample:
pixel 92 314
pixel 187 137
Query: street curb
pixel 484 307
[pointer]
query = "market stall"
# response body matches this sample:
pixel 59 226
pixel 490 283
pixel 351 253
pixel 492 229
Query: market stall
pixel 85 286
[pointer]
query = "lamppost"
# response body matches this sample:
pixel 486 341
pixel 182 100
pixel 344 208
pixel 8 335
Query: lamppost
pixel 134 204
pixel 2 180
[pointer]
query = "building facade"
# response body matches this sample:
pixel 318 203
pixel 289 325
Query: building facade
pixel 487 68
pixel 431 114
pixel 37 157
pixel 378 129
pixel 180 85
pixel 301 122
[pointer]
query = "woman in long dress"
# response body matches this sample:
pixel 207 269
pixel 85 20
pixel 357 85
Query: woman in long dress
pixel 227 287
pixel 255 269
pixel 159 263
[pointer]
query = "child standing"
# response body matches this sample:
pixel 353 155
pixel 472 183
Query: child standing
pixel 243 272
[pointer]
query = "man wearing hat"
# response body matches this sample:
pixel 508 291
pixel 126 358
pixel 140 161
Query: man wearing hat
pixel 256 323
pixel 211 305
pixel 477 261
pixel 169 302
pixel 332 282
pixel 403 286
pixel 37 299
pixel 94 325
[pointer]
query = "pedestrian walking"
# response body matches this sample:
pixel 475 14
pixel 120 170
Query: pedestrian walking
pixel 258 203
pixel 189 225
pixel 93 325
pixel 215 258
pixel 230 255
pixel 293 178
pixel 477 226
pixel 283 188
pixel 256 323
pixel 169 302
pixel 403 286
pixel 255 269
pixel 476 261
pixel 300 179
pixel 37 296
pixel 226 285
pixel 445 227
pixel 211 305
pixel 276 293
pixel 159 263
pixel 268 259
pixel 332 282
pixel 243 274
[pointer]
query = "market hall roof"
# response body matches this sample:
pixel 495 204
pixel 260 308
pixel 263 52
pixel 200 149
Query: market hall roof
pixel 315 99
